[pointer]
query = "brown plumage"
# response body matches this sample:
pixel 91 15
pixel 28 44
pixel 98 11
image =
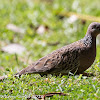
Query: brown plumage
pixel 74 58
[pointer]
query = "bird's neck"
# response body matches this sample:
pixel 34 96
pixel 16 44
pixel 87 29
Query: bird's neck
pixel 90 40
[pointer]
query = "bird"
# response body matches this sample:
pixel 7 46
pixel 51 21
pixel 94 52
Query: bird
pixel 73 58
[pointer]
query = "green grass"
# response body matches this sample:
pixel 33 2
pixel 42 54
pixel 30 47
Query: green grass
pixel 29 14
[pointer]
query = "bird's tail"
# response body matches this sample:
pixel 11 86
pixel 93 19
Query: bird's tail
pixel 27 70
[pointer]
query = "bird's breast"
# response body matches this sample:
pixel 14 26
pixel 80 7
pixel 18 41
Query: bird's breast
pixel 87 57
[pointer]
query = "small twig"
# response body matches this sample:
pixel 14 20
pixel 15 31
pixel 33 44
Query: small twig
pixel 42 97
pixel 51 94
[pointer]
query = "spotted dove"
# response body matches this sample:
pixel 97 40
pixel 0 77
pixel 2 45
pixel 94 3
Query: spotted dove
pixel 74 58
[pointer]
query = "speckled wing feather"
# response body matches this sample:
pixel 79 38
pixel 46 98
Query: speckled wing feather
pixel 62 60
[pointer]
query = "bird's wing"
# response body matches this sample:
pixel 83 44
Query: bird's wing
pixel 44 64
pixel 54 62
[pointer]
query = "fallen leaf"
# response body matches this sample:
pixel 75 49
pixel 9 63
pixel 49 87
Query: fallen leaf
pixel 42 97
pixel 13 48
pixel 51 94
pixel 14 28
pixel 41 29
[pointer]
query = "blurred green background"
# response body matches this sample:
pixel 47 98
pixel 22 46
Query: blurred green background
pixel 41 26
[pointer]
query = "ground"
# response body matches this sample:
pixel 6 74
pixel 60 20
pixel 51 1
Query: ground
pixel 45 29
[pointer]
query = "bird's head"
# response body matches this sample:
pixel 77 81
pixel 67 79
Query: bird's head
pixel 94 29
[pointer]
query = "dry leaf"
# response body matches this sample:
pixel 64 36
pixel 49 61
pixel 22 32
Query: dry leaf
pixel 51 94
pixel 14 48
pixel 41 29
pixel 14 28
pixel 42 97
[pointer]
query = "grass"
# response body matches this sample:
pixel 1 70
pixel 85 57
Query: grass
pixel 29 15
